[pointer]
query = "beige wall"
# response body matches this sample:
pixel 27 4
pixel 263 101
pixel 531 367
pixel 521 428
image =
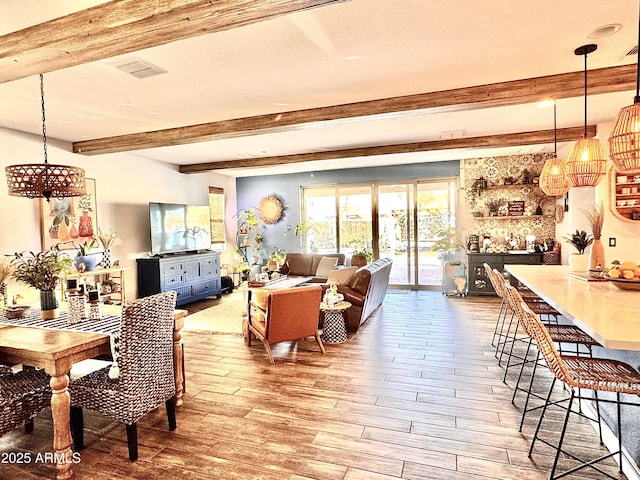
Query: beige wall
pixel 125 184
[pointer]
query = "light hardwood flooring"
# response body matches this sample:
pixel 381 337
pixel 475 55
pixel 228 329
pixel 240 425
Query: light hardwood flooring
pixel 415 394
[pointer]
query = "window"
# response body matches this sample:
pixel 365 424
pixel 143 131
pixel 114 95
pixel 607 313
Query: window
pixel 216 217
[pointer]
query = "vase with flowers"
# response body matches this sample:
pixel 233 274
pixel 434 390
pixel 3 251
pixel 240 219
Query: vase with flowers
pixel 41 271
pixel 107 240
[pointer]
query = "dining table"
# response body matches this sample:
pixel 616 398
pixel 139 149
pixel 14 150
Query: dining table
pixel 56 346
pixel 598 307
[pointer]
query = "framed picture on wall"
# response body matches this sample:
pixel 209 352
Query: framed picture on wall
pixel 69 220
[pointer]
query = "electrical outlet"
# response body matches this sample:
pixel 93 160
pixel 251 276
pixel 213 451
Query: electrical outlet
pixel 612 241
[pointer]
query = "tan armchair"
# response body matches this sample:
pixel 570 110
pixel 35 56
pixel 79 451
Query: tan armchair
pixel 283 315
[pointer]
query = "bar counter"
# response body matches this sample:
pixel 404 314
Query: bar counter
pixel 610 315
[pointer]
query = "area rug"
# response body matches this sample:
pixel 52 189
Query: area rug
pixel 213 315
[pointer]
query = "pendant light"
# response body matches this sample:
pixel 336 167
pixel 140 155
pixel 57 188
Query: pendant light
pixel 553 178
pixel 624 141
pixel 45 180
pixel 587 160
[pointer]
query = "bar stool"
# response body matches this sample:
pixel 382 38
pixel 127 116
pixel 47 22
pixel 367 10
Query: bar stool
pixel 567 334
pixel 577 373
pixel 497 286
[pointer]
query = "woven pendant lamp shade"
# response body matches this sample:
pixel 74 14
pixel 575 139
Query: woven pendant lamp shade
pixel 46 180
pixel 586 163
pixel 553 178
pixel 624 141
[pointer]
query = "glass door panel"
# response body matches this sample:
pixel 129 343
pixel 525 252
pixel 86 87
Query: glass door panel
pixel 355 229
pixel 320 217
pixel 436 211
pixel 395 227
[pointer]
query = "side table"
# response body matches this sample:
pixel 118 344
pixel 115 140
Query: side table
pixel 334 330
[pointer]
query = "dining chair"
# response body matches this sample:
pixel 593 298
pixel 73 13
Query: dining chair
pixel 580 373
pixel 284 315
pixel 23 395
pixel 498 288
pixel 146 378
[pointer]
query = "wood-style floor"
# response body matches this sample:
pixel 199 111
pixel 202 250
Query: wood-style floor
pixel 415 394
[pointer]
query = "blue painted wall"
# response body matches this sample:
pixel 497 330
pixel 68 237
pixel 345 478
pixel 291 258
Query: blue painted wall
pixel 250 190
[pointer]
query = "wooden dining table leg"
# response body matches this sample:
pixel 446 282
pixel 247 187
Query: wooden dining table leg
pixel 60 407
pixel 178 365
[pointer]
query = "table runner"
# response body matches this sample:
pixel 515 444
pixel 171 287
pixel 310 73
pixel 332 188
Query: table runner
pixel 109 324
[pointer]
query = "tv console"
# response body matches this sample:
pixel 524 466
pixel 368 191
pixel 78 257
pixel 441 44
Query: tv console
pixel 194 276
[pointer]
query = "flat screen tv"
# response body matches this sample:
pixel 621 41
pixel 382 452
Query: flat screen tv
pixel 179 228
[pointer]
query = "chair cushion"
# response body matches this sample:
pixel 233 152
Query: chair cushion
pixel 325 266
pixel 341 276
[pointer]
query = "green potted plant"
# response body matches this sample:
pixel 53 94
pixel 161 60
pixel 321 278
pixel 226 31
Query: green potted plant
pixel 42 271
pixel 85 261
pixel 579 262
pixel 361 256
pixel 276 257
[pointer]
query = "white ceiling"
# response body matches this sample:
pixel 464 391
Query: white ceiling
pixel 348 52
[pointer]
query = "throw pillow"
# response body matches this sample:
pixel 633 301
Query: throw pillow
pixel 325 266
pixel 341 276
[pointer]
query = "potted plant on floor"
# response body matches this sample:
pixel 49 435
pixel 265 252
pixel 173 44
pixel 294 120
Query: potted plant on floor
pixel 447 243
pixel 42 270
pixel 579 262
pixel 361 256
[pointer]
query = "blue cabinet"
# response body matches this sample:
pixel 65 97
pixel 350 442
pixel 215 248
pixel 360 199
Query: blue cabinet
pixel 193 276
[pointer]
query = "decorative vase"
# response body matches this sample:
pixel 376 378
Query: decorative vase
pixel 578 262
pixel 48 304
pixel 89 262
pixel 106 258
pixel 73 231
pixel 596 255
pixel 85 228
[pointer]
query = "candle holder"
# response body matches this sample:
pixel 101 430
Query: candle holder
pixel 94 310
pixel 77 308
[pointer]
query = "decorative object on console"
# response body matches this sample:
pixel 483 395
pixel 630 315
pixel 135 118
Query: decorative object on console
pixel 34 180
pixel 587 160
pixel 107 240
pixel 85 261
pixel 41 271
pixel 595 215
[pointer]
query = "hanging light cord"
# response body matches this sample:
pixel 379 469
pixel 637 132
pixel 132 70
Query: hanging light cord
pixel 585 95
pixel 555 131
pixel 636 99
pixel 44 125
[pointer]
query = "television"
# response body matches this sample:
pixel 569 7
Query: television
pixel 179 228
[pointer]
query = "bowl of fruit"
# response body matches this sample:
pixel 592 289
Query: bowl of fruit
pixel 625 275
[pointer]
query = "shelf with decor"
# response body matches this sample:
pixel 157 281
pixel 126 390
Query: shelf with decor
pixel 508 217
pixel 625 195
pixel 111 282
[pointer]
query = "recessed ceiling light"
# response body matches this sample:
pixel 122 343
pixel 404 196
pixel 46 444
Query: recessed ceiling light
pixel 127 104
pixel 280 104
pixel 352 57
pixel 605 30
pixel 154 113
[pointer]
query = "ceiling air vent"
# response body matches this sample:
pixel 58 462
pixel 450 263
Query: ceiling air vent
pixel 139 68
pixel 632 51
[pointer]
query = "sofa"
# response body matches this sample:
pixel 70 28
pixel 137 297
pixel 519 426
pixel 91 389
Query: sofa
pixel 365 290
pixel 306 265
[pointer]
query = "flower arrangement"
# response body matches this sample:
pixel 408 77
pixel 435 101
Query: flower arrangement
pixel 107 239
pixel 40 270
pixel 595 216
pixel 5 269
pixel 494 205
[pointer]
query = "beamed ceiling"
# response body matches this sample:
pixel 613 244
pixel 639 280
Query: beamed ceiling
pixel 252 87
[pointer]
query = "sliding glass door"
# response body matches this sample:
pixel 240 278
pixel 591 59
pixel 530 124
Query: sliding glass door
pixel 398 220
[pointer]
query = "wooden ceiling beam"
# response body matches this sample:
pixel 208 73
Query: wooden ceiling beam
pixel 124 26
pixel 516 92
pixel 488 141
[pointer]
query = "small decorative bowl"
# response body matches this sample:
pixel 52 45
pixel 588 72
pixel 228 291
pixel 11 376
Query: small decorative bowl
pixel 17 311
pixel 626 284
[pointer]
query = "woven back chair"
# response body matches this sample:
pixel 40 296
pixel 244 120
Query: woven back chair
pixel 502 313
pixel 282 315
pixel 596 374
pixel 23 395
pixel 146 378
